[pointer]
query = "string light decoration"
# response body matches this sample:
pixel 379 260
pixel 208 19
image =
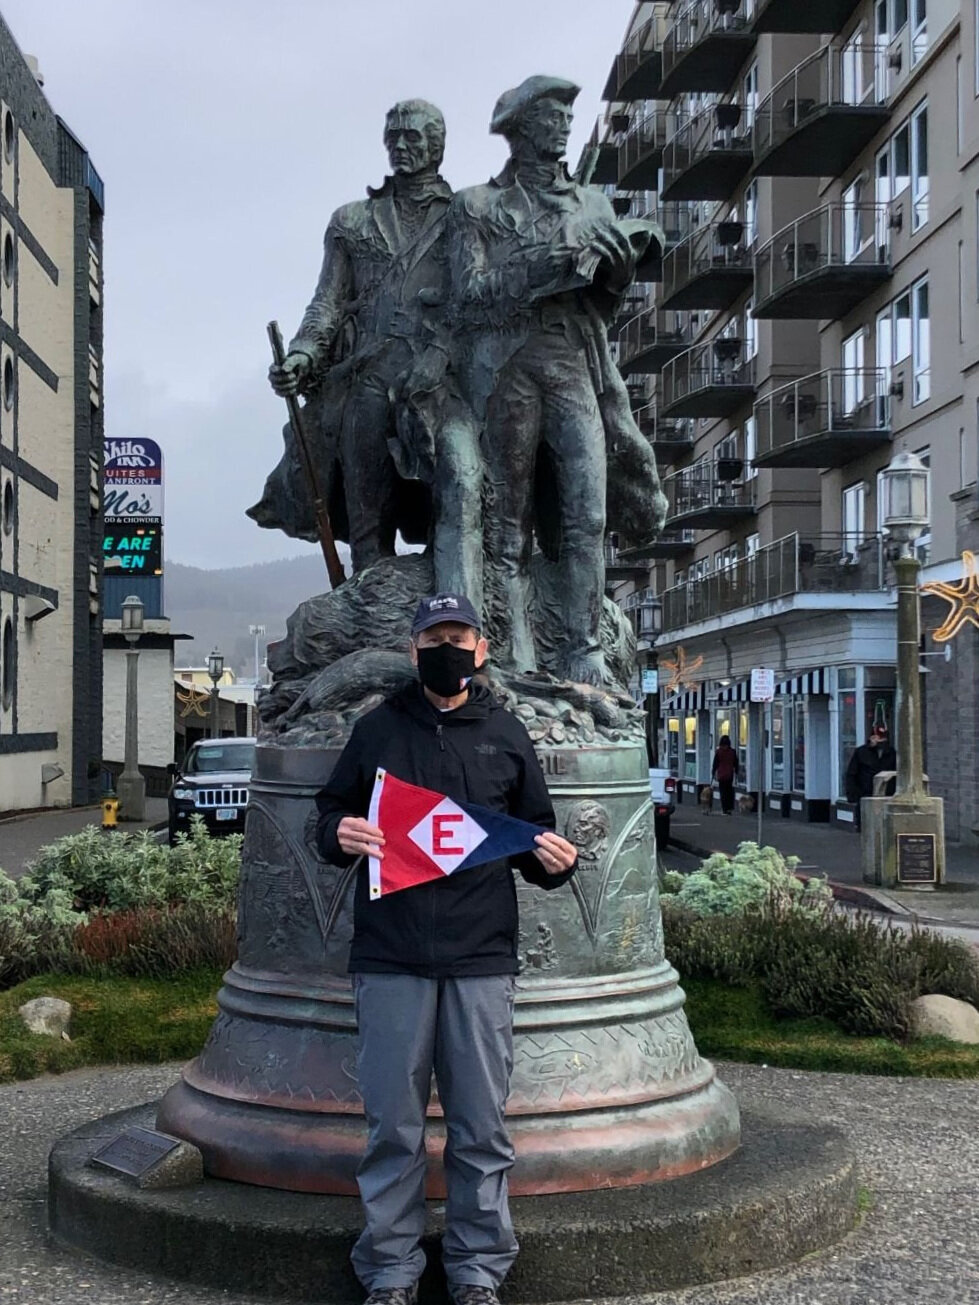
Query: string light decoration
pixel 962 597
pixel 680 671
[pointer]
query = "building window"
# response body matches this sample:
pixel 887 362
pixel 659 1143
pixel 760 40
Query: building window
pixel 852 226
pixel 854 507
pixel 919 167
pixel 690 747
pixel 7 514
pixel 752 545
pixel 846 715
pixel 8 382
pixel 781 744
pixel 9 136
pixel 750 330
pixel 852 70
pixel 853 371
pixel 923 543
pixel 919 30
pixel 921 342
pixel 799 745
pixel 7 671
pixel 8 259
pixel 749 98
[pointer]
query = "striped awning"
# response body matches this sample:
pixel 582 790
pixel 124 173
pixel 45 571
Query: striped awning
pixel 809 683
pixel 687 702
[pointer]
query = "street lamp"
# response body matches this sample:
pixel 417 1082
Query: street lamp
pixel 215 669
pixel 131 787
pixel 904 837
pixel 904 517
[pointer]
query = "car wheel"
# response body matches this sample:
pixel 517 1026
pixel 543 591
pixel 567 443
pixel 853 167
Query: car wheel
pixel 661 827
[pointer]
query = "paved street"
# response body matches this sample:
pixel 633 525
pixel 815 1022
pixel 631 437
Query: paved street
pixel 22 836
pixel 916 1140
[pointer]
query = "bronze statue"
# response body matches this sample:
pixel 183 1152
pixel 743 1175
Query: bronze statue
pixel 538 264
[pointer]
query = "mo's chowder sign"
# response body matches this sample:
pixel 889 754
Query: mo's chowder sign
pixel 133 479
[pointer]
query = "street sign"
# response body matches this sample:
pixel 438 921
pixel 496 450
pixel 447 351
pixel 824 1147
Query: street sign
pixel 762 684
pixel 650 682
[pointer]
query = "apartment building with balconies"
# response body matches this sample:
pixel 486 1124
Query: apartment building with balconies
pixel 816 310
pixel 51 437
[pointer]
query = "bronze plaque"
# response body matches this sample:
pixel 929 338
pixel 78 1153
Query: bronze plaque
pixel 916 859
pixel 134 1152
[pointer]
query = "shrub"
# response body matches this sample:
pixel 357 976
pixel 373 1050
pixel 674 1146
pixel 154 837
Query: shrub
pixel 755 878
pixel 150 942
pixel 853 970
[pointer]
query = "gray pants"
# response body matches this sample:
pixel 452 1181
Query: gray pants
pixel 463 1030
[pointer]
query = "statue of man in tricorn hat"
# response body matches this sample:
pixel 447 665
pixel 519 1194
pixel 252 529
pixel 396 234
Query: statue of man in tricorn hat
pixel 538 265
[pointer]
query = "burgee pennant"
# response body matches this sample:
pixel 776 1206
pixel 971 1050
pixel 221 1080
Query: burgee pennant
pixel 428 836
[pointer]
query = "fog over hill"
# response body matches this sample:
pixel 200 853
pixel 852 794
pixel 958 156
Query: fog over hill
pixel 217 607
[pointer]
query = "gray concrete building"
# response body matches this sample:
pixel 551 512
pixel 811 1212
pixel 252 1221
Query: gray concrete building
pixel 816 169
pixel 51 433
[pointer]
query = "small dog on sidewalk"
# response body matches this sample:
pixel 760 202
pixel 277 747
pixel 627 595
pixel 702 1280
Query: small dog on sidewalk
pixel 706 799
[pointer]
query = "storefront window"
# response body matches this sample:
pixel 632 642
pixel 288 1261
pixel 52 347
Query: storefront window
pixel 799 746
pixel 743 725
pixel 878 711
pixel 781 745
pixel 673 745
pixel 690 747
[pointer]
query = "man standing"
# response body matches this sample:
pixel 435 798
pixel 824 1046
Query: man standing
pixel 368 327
pixel 433 966
pixel 866 763
pixel 538 264
pixel 725 769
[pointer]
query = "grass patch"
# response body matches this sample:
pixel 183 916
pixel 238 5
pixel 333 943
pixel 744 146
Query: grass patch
pixel 115 1021
pixel 737 1024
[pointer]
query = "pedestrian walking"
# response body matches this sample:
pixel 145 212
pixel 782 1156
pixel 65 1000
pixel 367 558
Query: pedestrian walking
pixel 874 756
pixel 725 770
pixel 434 966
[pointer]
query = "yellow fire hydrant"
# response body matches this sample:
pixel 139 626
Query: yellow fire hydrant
pixel 110 812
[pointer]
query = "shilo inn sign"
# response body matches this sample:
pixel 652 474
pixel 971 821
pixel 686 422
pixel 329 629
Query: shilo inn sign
pixel 133 479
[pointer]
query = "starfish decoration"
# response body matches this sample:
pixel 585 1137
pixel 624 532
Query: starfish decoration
pixel 194 702
pixel 962 597
pixel 680 671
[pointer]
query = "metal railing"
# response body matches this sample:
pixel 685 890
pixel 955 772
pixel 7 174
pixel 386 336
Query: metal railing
pixel 836 76
pixel 834 236
pixel 725 126
pixel 648 328
pixel 663 430
pixel 716 246
pixel 719 363
pixel 696 22
pixel 702 487
pixel 647 136
pixel 647 41
pixel 792 565
pixel 838 401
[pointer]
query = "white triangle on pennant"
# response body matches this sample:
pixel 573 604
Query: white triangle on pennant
pixel 447 835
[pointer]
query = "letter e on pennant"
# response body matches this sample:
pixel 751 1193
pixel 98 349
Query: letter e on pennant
pixel 447 836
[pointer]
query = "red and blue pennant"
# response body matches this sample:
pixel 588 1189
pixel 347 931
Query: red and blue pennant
pixel 427 836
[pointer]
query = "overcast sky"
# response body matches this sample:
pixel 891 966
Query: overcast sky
pixel 226 132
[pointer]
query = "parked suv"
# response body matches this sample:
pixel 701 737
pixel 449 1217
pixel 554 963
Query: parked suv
pixel 212 783
pixel 662 788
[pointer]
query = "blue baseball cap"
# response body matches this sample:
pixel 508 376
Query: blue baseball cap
pixel 444 607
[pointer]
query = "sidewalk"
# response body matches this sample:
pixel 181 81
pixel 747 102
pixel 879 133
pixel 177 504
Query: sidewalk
pixel 22 836
pixel 834 852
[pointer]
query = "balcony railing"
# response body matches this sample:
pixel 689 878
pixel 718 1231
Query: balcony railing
pixel 705 46
pixel 824 264
pixel 713 379
pixel 702 497
pixel 793 565
pixel 710 269
pixel 641 153
pixel 637 72
pixel 708 154
pixel 819 117
pixel 823 420
pixel 645 612
pixel 668 543
pixel 650 339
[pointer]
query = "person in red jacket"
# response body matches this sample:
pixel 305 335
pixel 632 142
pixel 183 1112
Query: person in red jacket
pixel 725 770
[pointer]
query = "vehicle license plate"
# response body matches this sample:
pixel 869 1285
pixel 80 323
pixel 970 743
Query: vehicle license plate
pixel 227 813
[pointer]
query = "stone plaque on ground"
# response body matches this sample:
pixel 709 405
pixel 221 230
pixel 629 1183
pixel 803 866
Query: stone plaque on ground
pixel 150 1159
pixel 916 862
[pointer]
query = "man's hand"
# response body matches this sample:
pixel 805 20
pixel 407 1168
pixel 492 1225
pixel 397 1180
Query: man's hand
pixel 289 378
pixel 548 265
pixel 555 853
pixel 358 837
pixel 616 253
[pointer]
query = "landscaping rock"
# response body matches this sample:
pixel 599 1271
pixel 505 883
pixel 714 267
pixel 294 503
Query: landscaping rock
pixel 945 1017
pixel 48 1015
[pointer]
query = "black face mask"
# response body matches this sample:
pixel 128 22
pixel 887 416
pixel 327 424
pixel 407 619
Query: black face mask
pixel 445 669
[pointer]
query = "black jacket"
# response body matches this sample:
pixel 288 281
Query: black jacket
pixel 465 924
pixel 866 762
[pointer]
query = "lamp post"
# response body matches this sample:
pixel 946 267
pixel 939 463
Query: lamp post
pixel 215 669
pixel 258 632
pixel 904 837
pixel 131 786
